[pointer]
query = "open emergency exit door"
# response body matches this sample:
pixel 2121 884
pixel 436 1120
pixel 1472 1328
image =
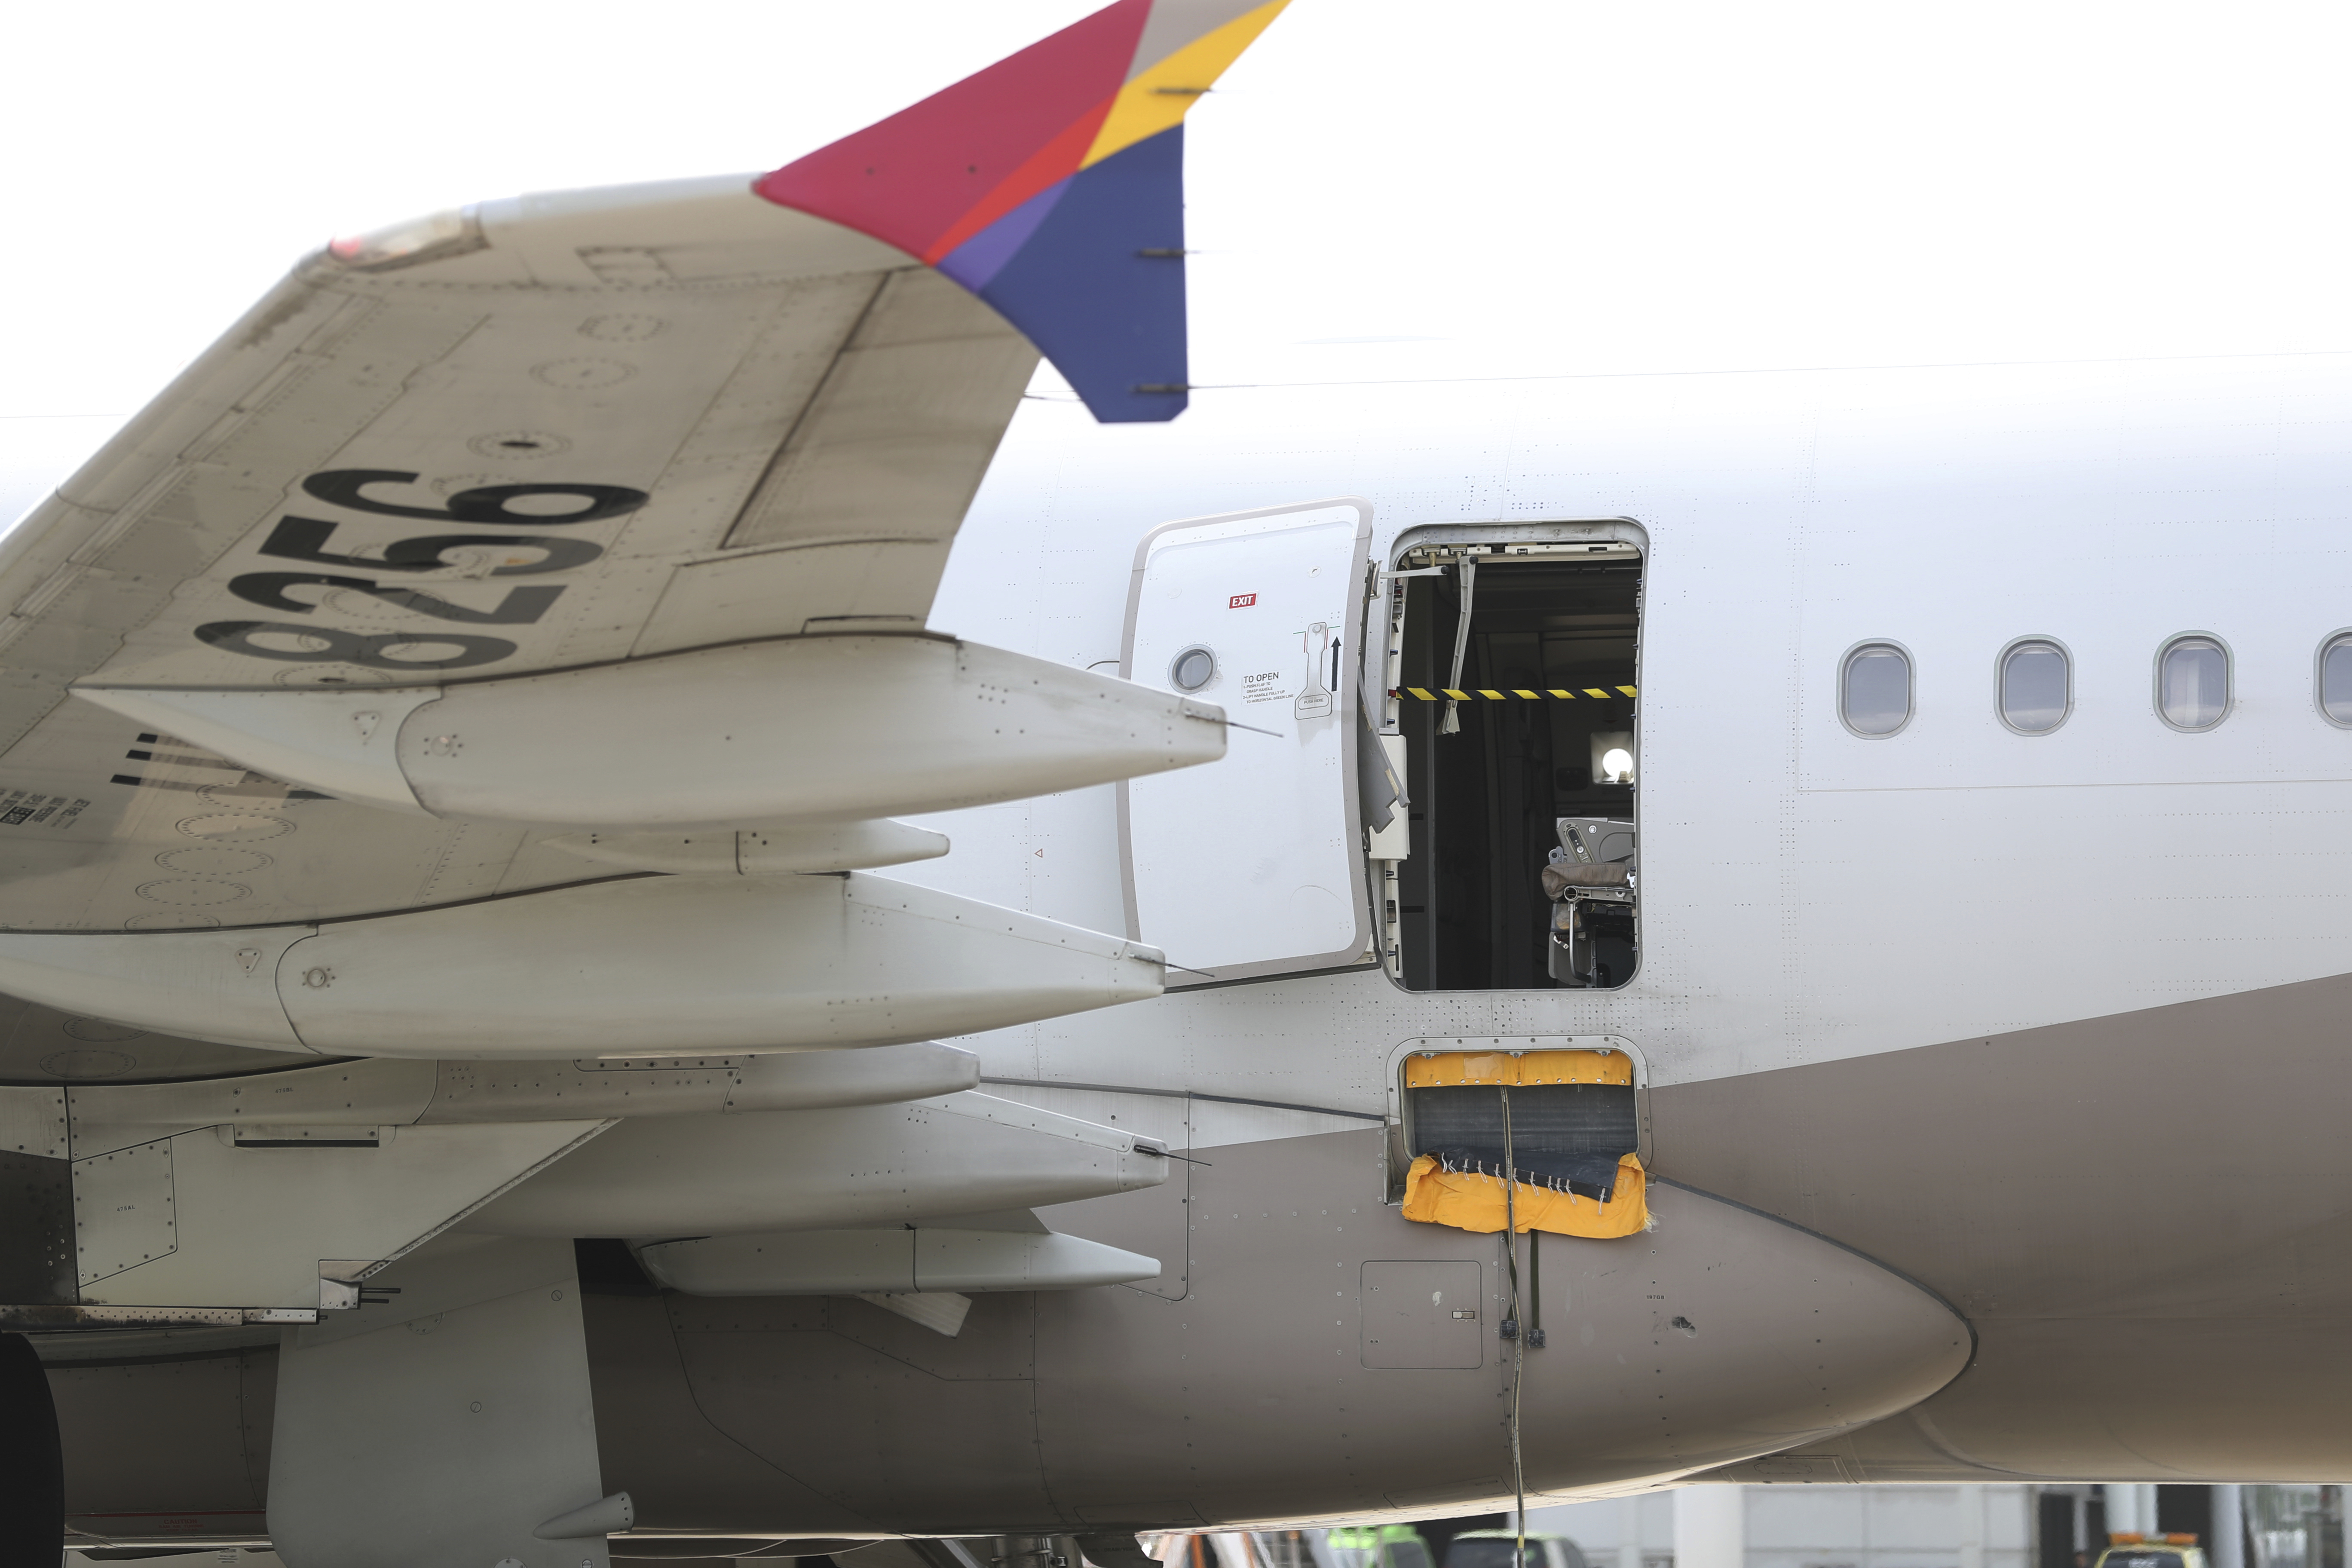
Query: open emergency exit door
pixel 1253 866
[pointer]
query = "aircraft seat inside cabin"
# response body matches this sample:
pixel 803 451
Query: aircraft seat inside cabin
pixel 1590 879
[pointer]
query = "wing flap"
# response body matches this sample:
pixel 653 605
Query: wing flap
pixel 896 442
pixel 854 585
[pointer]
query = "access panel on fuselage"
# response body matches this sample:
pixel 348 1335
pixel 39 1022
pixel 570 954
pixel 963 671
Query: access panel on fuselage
pixel 1422 1314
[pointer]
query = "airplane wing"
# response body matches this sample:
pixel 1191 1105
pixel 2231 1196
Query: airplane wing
pixel 561 437
pixel 457 663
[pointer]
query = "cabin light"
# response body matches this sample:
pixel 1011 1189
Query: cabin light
pixel 1617 766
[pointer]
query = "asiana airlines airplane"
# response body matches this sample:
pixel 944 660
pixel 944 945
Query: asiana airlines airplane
pixel 629 931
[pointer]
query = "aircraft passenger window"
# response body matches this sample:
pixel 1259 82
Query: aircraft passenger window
pixel 2336 679
pixel 2036 683
pixel 2192 683
pixel 1512 688
pixel 1874 690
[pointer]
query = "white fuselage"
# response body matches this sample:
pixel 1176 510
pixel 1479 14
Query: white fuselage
pixel 1808 894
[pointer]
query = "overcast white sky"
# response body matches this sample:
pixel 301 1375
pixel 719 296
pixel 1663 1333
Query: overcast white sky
pixel 1481 186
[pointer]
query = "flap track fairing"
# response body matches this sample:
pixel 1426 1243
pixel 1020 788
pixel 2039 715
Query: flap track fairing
pixel 793 731
pixel 899 1258
pixel 644 966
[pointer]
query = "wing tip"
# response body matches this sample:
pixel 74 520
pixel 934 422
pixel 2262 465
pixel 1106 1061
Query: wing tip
pixel 1050 185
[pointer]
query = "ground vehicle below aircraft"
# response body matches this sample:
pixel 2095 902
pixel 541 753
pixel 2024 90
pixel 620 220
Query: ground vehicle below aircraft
pixel 2129 1550
pixel 1500 1548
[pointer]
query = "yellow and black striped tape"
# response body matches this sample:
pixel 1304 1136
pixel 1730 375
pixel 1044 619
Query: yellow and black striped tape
pixel 1447 693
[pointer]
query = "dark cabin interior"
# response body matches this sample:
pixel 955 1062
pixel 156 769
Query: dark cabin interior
pixel 1486 800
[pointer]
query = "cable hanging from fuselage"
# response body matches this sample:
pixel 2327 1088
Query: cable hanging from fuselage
pixel 1513 1328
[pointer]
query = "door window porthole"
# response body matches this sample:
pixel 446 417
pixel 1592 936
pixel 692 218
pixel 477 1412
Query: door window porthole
pixel 1193 669
pixel 2037 686
pixel 2332 681
pixel 2192 682
pixel 1874 690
